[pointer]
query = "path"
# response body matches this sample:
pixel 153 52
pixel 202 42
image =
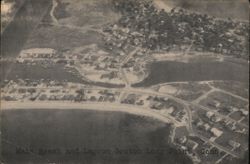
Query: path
pixel 122 71
pixel 136 110
pixel 54 5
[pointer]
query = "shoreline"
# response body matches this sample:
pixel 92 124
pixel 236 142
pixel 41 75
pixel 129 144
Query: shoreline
pixel 105 107
pixel 11 106
pixel 189 60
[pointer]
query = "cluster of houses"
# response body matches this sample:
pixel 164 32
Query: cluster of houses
pixel 57 95
pixel 37 53
pixel 215 128
pixel 161 104
pixel 187 144
pixel 100 62
pixel 209 129
pixel 133 99
pixel 150 28
pixel 54 91
pixel 165 104
pixel 227 109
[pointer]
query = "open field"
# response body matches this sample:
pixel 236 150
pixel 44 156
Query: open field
pixel 76 24
pixel 85 13
pixel 27 18
pixel 238 88
pixel 61 38
pixel 9 8
pixel 189 91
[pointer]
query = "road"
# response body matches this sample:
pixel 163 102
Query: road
pixel 231 94
pixel 78 28
pixel 54 5
pixel 125 108
pixel 205 95
pixel 186 103
pixel 196 102
pixel 217 146
pixel 137 110
pixel 122 71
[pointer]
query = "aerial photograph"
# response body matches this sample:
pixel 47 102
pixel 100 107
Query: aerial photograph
pixel 124 82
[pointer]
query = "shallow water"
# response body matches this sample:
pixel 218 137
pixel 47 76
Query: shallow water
pixel 238 10
pixel 86 137
pixel 171 71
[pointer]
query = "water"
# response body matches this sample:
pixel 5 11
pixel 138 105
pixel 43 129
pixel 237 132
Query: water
pixel 238 10
pixel 14 71
pixel 172 71
pixel 57 72
pixel 100 137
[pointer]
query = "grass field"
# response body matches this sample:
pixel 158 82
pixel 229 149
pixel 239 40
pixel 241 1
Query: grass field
pixel 77 24
pixel 61 38
pixel 27 18
pixel 85 12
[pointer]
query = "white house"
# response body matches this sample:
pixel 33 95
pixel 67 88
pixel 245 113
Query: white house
pixel 37 52
pixel 216 132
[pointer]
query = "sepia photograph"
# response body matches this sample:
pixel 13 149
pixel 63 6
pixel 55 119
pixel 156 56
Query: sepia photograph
pixel 124 82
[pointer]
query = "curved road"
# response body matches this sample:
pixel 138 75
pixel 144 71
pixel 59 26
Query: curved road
pixel 54 5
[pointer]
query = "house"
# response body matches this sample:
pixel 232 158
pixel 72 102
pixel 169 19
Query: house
pixel 182 140
pixel 199 123
pixel 68 97
pixel 214 104
pixel 43 97
pixel 216 132
pixel 52 97
pixel 211 104
pixel 92 98
pixel 111 99
pixel 215 118
pixel 181 114
pixel 171 109
pixel 206 127
pixel 175 111
pixel 232 126
pixel 22 90
pixel 37 52
pixel 191 145
pixel 234 144
pixel 9 98
pixel 141 102
pixel 244 112
pixel 101 98
pixel 183 148
pixel 157 105
pixel 209 114
pixel 234 109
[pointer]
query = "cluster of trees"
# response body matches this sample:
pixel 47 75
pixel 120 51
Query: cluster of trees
pixel 163 30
